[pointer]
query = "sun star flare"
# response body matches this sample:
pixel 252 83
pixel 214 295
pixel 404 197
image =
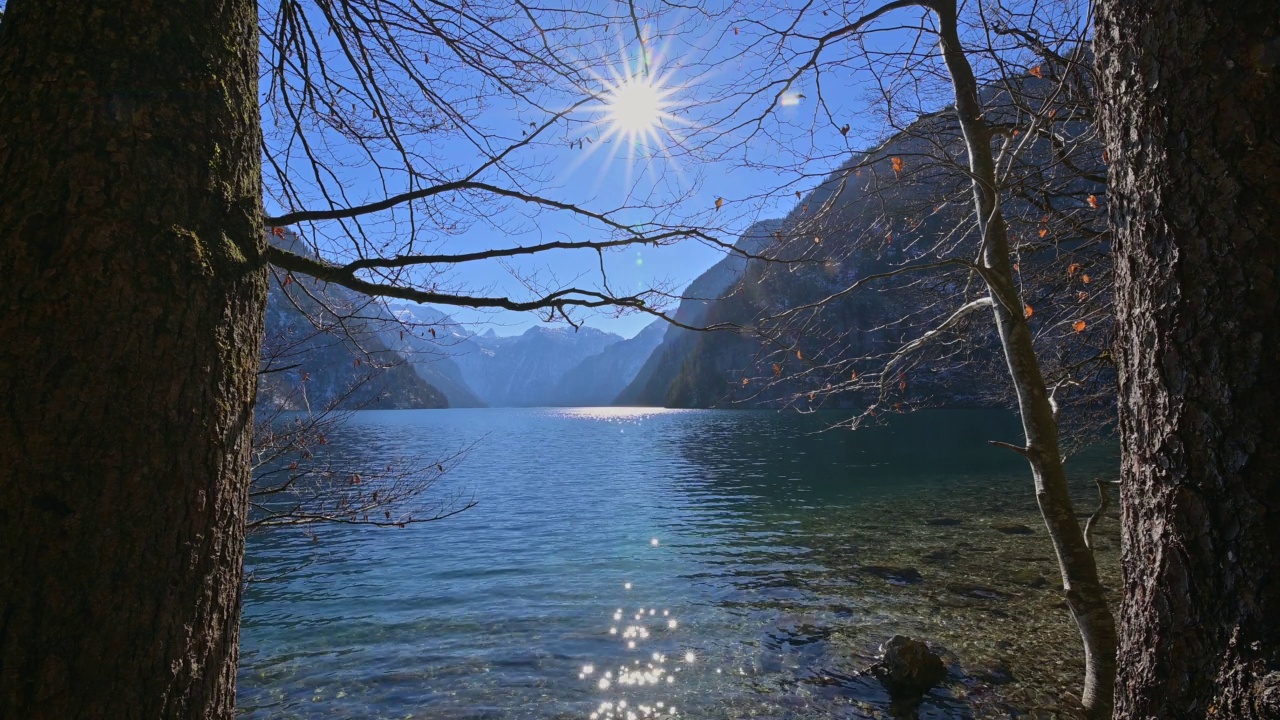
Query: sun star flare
pixel 637 110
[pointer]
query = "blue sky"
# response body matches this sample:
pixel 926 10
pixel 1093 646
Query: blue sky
pixel 702 74
pixel 707 63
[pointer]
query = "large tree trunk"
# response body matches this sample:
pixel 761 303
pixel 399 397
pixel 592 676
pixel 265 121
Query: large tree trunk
pixel 130 315
pixel 1080 583
pixel 1192 119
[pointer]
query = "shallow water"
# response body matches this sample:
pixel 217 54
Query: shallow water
pixel 783 554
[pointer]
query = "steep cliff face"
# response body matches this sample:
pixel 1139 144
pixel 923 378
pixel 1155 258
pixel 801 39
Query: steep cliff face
pixel 665 363
pixel 706 369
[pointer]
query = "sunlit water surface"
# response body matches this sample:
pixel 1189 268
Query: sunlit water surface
pixel 636 564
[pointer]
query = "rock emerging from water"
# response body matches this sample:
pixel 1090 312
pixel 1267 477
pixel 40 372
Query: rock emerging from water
pixel 908 668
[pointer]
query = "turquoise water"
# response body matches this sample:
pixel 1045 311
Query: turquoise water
pixel 724 564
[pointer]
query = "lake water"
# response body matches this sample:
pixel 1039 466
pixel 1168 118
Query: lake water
pixel 699 564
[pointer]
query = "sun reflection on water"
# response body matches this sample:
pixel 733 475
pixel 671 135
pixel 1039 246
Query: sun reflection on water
pixel 615 414
pixel 640 689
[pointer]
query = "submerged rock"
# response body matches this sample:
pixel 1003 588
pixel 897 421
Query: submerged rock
pixel 1013 529
pixel 939 556
pixel 977 591
pixel 895 575
pixel 998 673
pixel 1029 578
pixel 943 522
pixel 908 668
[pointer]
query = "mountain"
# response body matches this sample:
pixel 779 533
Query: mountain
pixel 664 363
pixel 544 366
pixel 434 344
pixel 597 380
pixel 526 370
pixel 907 201
pixel 319 350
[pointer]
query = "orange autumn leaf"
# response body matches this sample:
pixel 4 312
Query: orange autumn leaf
pixel 812 395
pixel 1072 269
pixel 1027 311
pixel 1017 267
pixel 1093 201
pixel 897 164
pixel 1078 326
pixel 1037 71
pixel 853 375
pixel 799 355
pixel 777 369
pixel 1044 231
pixel 744 382
pixel 1082 296
pixel 902 384
pixel 1085 279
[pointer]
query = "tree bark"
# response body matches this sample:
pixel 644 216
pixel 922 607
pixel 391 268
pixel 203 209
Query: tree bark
pixel 1192 121
pixel 131 313
pixel 1080 583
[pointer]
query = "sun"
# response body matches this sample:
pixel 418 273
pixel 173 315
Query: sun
pixel 636 110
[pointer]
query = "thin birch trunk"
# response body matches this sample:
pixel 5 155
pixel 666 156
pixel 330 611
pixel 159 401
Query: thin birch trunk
pixel 1084 592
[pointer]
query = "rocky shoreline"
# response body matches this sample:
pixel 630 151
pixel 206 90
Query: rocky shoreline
pixel 975 582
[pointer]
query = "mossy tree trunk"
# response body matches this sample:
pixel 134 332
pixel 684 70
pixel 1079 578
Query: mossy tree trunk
pixel 131 314
pixel 1192 120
